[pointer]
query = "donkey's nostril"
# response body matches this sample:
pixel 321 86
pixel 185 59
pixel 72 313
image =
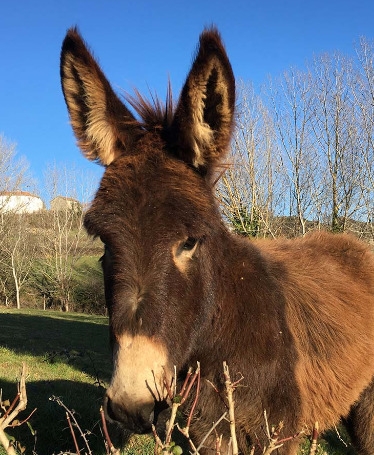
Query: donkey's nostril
pixel 111 410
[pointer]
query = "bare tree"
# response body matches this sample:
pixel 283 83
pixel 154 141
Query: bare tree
pixel 17 255
pixel 65 240
pixel 305 151
pixel 362 87
pixel 13 171
pixel 335 126
pixel 248 191
pixel 291 98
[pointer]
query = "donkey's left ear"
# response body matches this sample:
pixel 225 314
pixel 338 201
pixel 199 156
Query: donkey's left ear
pixel 203 119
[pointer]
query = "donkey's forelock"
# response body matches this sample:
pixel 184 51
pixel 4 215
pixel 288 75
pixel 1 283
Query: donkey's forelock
pixel 154 114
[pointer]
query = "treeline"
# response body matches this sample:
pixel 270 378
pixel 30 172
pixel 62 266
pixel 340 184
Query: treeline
pixel 48 261
pixel 303 153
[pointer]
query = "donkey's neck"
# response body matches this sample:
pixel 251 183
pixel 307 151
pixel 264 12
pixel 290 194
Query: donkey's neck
pixel 249 304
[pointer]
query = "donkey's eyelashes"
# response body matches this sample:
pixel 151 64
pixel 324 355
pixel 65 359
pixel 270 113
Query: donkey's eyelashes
pixel 189 244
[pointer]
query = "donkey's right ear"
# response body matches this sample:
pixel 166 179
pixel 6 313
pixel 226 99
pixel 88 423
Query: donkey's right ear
pixel 204 117
pixel 102 124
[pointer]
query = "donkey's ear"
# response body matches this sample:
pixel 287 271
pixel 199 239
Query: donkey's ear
pixel 203 119
pixel 102 124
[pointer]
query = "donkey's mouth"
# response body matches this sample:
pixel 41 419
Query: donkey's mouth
pixel 139 421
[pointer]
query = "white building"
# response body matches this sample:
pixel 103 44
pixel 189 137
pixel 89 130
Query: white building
pixel 20 202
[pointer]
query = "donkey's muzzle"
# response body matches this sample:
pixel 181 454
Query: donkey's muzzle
pixel 138 421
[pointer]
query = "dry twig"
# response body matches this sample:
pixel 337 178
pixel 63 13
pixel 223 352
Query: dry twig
pixel 177 400
pixel 110 449
pixel 313 446
pixel 273 435
pixel 218 439
pixel 230 387
pixel 11 412
pixel 274 442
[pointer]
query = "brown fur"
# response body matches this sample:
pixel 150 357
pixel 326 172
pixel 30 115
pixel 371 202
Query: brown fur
pixel 295 317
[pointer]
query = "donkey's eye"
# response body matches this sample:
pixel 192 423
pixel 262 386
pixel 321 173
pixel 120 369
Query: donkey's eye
pixel 184 251
pixel 187 247
pixel 189 244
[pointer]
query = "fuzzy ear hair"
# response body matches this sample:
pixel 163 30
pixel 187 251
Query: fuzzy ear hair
pixel 203 119
pixel 102 124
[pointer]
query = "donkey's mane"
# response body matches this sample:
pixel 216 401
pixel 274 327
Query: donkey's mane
pixel 154 114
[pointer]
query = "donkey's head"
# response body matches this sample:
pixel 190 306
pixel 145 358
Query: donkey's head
pixel 155 212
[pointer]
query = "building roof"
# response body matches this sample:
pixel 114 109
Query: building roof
pixel 18 193
pixel 65 198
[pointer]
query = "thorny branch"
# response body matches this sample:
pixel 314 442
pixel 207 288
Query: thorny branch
pixel 313 447
pixel 70 415
pixel 73 434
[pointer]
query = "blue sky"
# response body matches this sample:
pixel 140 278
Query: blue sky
pixel 140 43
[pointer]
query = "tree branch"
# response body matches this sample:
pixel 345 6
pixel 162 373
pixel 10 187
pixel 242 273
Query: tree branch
pixel 12 412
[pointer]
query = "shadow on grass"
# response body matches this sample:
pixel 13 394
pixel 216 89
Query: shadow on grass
pixel 49 420
pixel 71 339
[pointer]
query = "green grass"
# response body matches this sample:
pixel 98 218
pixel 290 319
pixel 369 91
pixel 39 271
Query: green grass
pixel 67 355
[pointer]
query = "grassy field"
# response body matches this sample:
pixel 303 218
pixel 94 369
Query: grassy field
pixel 67 356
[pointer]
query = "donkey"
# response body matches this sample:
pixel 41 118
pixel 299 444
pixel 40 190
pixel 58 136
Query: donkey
pixel 294 317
